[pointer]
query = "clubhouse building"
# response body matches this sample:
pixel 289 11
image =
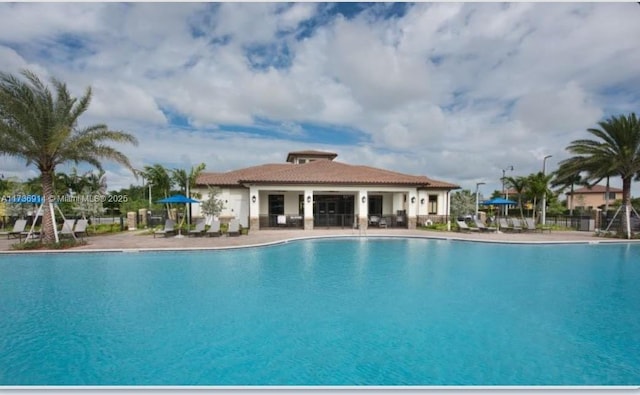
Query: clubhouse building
pixel 312 190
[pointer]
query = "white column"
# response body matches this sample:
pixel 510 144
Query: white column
pixel 363 208
pixel 254 208
pixel 308 209
pixel 412 212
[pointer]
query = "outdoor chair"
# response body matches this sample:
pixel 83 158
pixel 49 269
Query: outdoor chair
pixel 199 230
pixel 214 229
pixel 374 220
pixel 81 228
pixel 504 225
pixel 18 228
pixel 169 228
pixel 282 220
pixel 234 228
pixel 517 224
pixel 463 227
pixel 382 223
pixel 530 226
pixel 484 228
pixel 67 228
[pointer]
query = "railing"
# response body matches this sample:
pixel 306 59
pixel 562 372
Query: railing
pixel 334 220
pixel 281 221
pixel 425 220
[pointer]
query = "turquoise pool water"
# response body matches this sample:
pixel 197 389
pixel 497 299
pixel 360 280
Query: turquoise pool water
pixel 325 312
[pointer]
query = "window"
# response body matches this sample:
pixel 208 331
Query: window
pixel 433 204
pixel 302 161
pixel 375 205
pixel 276 204
pixel 612 196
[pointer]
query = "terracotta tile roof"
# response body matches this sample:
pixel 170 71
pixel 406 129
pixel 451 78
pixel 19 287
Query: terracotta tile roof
pixel 318 172
pixel 595 189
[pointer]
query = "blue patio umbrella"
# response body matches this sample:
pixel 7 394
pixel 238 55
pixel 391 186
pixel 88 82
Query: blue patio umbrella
pixel 179 199
pixel 498 201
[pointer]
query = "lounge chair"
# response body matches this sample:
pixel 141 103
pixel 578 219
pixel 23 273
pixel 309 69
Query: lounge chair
pixel 463 227
pixel 517 224
pixel 169 228
pixel 541 229
pixel 530 226
pixel 504 225
pixel 67 228
pixel 484 228
pixel 81 228
pixel 199 230
pixel 214 229
pixel 234 228
pixel 18 229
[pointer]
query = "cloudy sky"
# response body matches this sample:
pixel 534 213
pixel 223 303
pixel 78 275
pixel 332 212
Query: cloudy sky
pixel 455 92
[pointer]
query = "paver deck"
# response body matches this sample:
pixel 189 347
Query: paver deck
pixel 139 240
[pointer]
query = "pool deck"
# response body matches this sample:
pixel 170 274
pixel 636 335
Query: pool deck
pixel 138 240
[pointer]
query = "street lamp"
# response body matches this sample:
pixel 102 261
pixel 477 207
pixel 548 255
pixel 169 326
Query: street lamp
pixel 544 195
pixel 505 192
pixel 150 184
pixel 477 185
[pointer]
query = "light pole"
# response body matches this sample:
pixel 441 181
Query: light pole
pixel 544 195
pixel 477 185
pixel 150 184
pixel 505 192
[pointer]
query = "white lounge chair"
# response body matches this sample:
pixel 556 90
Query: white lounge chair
pixel 484 228
pixel 18 228
pixel 67 228
pixel 169 228
pixel 81 228
pixel 463 227
pixel 234 228
pixel 199 230
pixel 214 230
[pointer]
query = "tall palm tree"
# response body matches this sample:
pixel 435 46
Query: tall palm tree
pixel 568 177
pixel 161 181
pixel 42 128
pixel 187 181
pixel 616 150
pixel 519 184
pixel 537 187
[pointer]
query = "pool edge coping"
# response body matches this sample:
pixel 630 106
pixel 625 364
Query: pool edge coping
pixel 311 237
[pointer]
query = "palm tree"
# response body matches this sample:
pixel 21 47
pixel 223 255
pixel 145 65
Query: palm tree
pixel 568 177
pixel 616 150
pixel 519 184
pixel 42 128
pixel 186 182
pixel 161 181
pixel 538 186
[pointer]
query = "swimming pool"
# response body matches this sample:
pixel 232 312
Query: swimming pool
pixel 325 312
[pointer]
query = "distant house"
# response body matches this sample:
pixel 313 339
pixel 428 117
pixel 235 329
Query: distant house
pixel 591 198
pixel 312 190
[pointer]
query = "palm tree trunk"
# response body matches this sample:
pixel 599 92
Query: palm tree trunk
pixel 47 230
pixel 521 209
pixel 571 203
pixel 626 201
pixel 606 197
